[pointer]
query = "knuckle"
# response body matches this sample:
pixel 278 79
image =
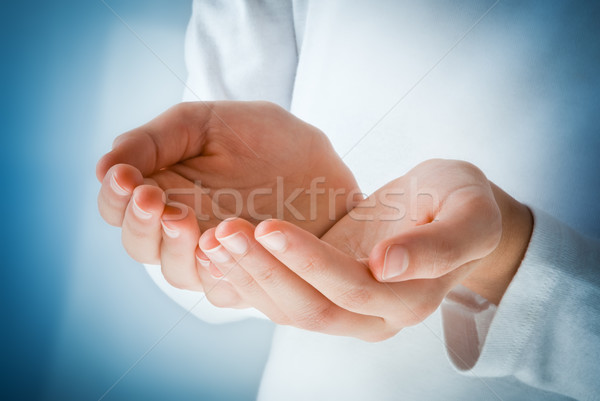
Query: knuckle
pixel 242 279
pixel 311 264
pixel 316 319
pixel 354 298
pixel 306 267
pixel 265 274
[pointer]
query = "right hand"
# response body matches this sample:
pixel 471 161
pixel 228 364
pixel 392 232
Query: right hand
pixel 192 151
pixel 422 234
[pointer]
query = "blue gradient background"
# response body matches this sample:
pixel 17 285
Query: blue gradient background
pixel 77 312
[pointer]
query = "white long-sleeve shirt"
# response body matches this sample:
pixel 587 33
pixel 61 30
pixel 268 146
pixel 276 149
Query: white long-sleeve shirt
pixel 509 86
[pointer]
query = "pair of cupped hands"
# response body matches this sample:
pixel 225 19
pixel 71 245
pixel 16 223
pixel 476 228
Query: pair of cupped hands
pixel 251 205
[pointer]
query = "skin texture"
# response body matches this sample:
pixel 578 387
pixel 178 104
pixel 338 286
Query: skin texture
pixel 196 153
pixel 492 275
pixel 326 285
pixel 449 223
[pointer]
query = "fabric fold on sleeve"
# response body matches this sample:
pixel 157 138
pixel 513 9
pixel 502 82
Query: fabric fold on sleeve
pixel 546 330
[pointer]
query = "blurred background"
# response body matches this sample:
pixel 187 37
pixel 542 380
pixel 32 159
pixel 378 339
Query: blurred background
pixel 77 312
pixel 80 319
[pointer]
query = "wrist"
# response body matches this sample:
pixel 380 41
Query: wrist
pixel 492 274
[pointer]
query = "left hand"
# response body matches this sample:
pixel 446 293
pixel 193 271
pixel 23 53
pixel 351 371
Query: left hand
pixel 206 161
pixel 428 230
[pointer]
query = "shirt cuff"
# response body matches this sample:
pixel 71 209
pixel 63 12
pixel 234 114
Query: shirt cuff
pixel 488 340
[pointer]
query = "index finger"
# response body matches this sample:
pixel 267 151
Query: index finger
pixel 347 282
pixel 344 280
pixel 177 134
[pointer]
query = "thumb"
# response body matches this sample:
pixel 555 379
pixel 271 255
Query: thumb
pixel 177 134
pixel 468 228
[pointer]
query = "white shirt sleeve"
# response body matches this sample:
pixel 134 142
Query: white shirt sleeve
pixel 241 50
pixel 546 330
pixel 235 50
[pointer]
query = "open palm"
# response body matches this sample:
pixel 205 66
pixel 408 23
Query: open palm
pixel 249 159
pixel 198 163
pixel 422 234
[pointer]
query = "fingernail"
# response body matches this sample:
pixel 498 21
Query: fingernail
pixel 275 240
pixel 218 254
pixel 169 231
pixel 139 212
pixel 204 262
pixel 395 262
pixel 119 190
pixel 236 243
